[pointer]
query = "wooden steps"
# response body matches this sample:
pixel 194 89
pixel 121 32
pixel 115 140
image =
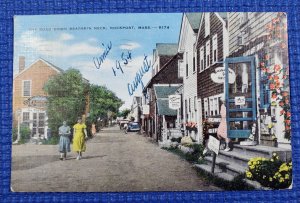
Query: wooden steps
pixel 235 162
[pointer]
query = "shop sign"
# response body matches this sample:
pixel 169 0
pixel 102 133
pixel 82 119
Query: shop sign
pixel 36 102
pixel 174 101
pixel 214 120
pixel 219 75
pixel 145 109
pixel 240 100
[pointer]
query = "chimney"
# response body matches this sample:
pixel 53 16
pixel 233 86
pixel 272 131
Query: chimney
pixel 21 63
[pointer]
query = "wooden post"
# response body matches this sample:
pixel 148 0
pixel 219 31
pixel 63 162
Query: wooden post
pixel 214 162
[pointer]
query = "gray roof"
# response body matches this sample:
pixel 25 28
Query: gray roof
pixel 163 91
pixel 167 49
pixel 194 19
pixel 163 108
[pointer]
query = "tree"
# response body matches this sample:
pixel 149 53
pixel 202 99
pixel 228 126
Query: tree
pixel 66 98
pixel 124 113
pixel 102 101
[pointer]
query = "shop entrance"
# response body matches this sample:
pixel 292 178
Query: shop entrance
pixel 240 96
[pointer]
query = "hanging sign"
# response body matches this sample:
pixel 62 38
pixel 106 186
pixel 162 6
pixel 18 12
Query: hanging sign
pixel 219 75
pixel 240 100
pixel 213 144
pixel 36 102
pixel 174 101
pixel 145 109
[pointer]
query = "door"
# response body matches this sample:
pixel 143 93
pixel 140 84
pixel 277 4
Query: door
pixel 240 95
pixel 38 125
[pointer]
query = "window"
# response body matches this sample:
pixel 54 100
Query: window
pixel 186 65
pixel 216 105
pixel 207 54
pixel 207 24
pixel 25 117
pixel 215 49
pixel 26 88
pixel 180 69
pixel 201 59
pixel 186 114
pixel 189 104
pixel 195 103
pixel 206 107
pixel 194 64
pixel 211 106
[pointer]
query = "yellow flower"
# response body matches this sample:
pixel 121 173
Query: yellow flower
pixel 270 179
pixel 283 167
pixel 272 160
pixel 281 180
pixel 274 154
pixel 287 176
pixel 248 174
pixel 251 167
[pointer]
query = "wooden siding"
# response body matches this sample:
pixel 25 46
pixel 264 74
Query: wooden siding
pixel 205 86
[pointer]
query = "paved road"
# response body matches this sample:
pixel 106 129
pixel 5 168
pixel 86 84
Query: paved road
pixel 113 162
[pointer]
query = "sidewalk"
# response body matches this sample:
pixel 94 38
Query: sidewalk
pixel 114 161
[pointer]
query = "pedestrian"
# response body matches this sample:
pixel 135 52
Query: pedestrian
pixel 222 129
pixel 93 129
pixel 64 132
pixel 79 136
pixel 125 127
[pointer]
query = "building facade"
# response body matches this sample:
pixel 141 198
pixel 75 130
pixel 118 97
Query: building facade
pixel 165 71
pixel 136 109
pixel 188 70
pixel 264 36
pixel 29 98
pixel 212 48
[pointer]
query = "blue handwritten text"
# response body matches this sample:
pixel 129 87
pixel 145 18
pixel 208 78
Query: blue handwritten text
pixel 125 58
pixel 98 61
pixel 139 75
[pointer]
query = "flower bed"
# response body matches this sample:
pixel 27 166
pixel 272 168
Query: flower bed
pixel 272 172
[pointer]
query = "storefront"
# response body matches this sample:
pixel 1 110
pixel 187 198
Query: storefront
pixel 258 101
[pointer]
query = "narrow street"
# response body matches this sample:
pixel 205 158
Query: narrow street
pixel 113 162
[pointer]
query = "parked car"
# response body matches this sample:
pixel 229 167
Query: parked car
pixel 134 127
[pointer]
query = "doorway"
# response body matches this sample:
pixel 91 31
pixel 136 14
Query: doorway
pixel 240 95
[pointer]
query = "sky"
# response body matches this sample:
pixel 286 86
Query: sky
pixel 77 41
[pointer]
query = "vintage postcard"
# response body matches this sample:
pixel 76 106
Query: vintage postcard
pixel 151 102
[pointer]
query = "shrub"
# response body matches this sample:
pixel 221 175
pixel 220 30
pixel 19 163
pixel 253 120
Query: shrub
pixel 272 172
pixel 192 156
pixel 197 152
pixel 24 133
pixel 52 141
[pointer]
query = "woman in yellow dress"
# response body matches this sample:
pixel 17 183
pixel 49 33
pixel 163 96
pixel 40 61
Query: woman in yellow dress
pixel 79 136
